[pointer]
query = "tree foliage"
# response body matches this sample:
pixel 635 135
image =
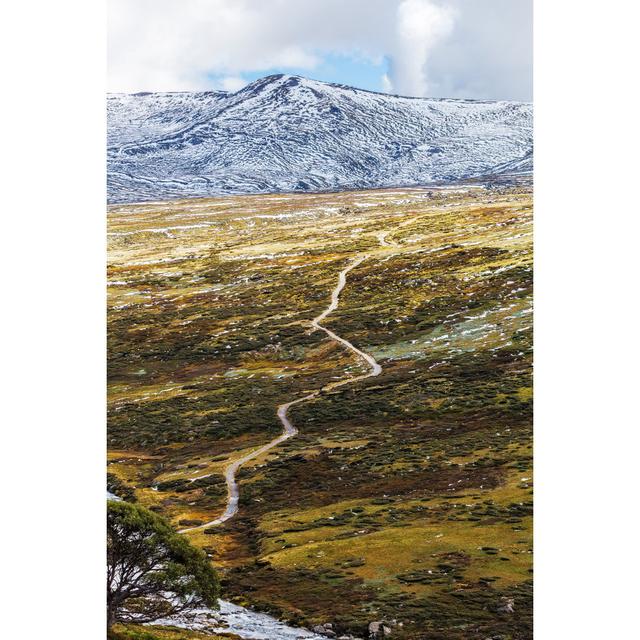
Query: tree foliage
pixel 152 572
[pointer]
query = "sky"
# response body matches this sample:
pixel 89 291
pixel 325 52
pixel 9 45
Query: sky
pixel 479 49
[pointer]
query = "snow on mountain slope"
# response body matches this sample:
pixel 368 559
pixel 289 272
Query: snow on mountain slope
pixel 140 116
pixel 287 133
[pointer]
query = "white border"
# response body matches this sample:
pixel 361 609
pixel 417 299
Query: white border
pixel 53 322
pixel 586 353
pixel 53 204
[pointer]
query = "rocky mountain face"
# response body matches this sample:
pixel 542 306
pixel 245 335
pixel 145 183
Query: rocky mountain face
pixel 287 133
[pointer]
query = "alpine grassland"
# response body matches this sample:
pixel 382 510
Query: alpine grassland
pixel 404 497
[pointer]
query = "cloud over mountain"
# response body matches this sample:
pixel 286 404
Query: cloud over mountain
pixel 456 48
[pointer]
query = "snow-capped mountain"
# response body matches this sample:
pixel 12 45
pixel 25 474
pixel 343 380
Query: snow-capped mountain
pixel 288 133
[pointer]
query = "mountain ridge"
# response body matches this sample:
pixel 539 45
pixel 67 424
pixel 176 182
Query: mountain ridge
pixel 285 133
pixel 286 76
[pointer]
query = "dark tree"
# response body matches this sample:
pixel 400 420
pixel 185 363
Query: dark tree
pixel 152 572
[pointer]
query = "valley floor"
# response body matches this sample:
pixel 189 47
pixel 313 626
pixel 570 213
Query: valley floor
pixel 404 497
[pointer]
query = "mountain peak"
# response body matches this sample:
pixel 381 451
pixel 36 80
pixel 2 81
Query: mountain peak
pixel 288 133
pixel 275 82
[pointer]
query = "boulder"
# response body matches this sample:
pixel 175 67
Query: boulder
pixel 506 605
pixel 325 629
pixel 379 629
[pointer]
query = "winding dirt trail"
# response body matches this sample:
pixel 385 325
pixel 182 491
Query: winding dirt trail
pixel 289 430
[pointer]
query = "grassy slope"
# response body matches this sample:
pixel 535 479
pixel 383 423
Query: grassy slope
pixel 139 632
pixel 407 496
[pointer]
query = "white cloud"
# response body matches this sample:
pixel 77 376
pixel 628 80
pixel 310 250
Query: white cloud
pixel 434 47
pixel 233 83
pixel 488 54
pixel 421 25
pixel 387 85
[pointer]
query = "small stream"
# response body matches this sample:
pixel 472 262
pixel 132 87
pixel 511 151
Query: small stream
pixel 231 618
pixel 242 622
pixel 288 429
